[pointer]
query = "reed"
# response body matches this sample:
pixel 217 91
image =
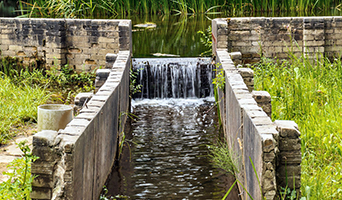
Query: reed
pixel 311 95
pixel 110 8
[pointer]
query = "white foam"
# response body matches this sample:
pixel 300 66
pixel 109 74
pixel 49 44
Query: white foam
pixel 173 102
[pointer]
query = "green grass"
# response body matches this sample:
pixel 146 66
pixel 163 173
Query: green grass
pixel 18 105
pixel 23 89
pixel 311 95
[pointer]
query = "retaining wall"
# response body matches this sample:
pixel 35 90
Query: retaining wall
pixel 81 43
pixel 74 163
pixel 275 37
pixel 273 147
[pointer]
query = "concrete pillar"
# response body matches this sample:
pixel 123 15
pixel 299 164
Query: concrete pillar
pixel 236 57
pixel 110 59
pixel 101 77
pixel 43 168
pixel 290 155
pixel 248 77
pixel 263 100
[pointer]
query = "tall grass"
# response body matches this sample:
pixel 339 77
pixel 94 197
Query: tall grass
pixel 111 8
pixel 18 105
pixel 23 88
pixel 311 95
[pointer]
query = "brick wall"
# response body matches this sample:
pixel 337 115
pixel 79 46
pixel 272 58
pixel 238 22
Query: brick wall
pixel 275 37
pixel 81 43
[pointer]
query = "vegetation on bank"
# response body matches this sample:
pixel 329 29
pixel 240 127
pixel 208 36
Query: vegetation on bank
pixel 22 89
pixel 18 185
pixel 112 8
pixel 310 94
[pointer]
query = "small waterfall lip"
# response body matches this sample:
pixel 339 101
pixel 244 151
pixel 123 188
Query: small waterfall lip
pixel 164 78
pixel 173 102
pixel 184 61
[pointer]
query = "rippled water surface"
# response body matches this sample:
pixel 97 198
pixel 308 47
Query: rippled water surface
pixel 168 151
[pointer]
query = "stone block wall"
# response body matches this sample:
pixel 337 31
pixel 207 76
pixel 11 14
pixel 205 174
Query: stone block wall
pixel 289 158
pixel 75 162
pixel 254 138
pixel 275 37
pixel 80 43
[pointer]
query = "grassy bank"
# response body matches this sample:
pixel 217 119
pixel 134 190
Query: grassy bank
pixel 22 89
pixel 18 105
pixel 311 95
pixel 112 8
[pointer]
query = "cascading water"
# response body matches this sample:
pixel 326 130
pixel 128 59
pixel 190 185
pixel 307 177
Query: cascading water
pixel 174 77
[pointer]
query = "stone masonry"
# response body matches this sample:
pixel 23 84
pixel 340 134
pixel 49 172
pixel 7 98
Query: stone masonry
pixel 74 162
pixel 272 147
pixel 275 37
pixel 81 43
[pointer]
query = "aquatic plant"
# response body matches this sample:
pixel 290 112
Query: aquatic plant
pixel 110 8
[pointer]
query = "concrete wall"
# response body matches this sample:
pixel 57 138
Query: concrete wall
pixel 74 163
pixel 252 136
pixel 275 37
pixel 83 44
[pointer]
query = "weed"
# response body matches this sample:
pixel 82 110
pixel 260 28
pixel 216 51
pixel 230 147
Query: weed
pixel 122 136
pixel 18 186
pixel 223 158
pixel 133 85
pixel 206 40
pixel 219 81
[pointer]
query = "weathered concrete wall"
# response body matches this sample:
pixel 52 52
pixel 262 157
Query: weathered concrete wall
pixel 83 44
pixel 74 163
pixel 252 136
pixel 275 37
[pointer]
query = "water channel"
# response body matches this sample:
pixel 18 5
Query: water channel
pixel 165 153
pixel 167 156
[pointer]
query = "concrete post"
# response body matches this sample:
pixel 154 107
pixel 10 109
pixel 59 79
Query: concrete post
pixel 290 155
pixel 43 168
pixel 110 59
pixel 263 100
pixel 101 77
pixel 248 77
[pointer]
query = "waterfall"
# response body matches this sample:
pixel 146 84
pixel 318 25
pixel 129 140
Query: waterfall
pixel 174 77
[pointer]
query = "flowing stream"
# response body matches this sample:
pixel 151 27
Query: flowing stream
pixel 168 153
pixel 165 155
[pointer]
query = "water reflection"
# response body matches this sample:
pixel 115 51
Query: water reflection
pixel 173 35
pixel 8 8
pixel 169 153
